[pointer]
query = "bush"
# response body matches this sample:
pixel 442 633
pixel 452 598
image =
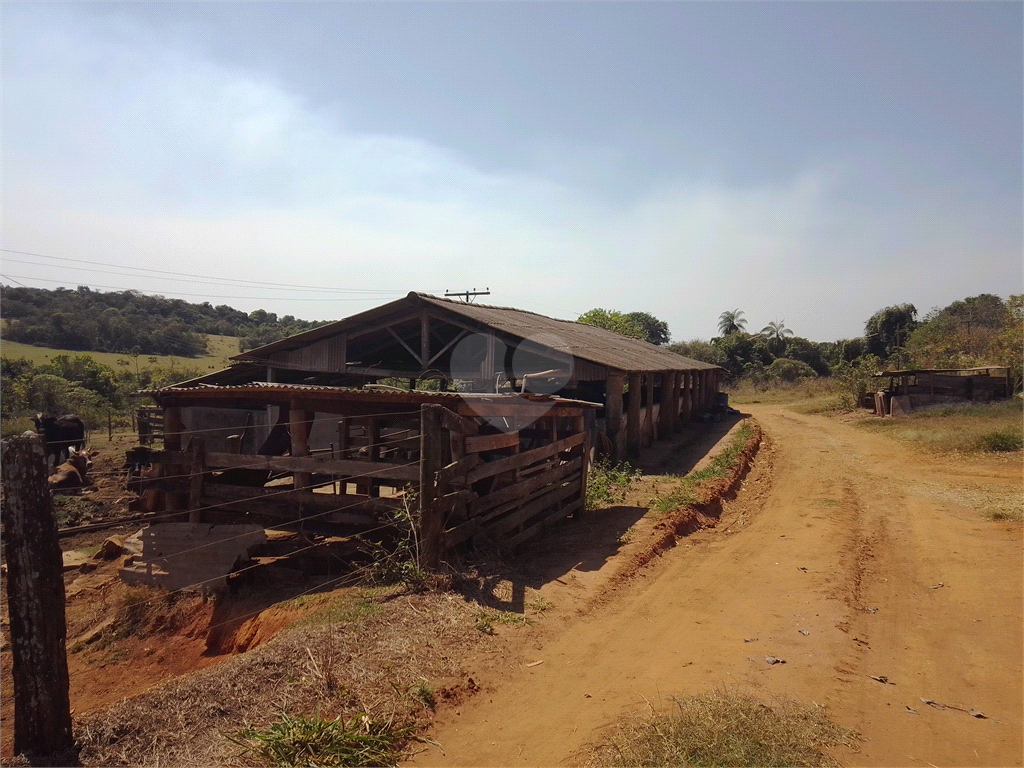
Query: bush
pixel 785 369
pixel 1004 440
pixel 608 482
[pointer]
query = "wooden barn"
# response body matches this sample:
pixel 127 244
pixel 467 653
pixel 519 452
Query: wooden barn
pixel 472 420
pixel 644 390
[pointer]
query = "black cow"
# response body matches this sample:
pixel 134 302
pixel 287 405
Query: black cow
pixel 61 434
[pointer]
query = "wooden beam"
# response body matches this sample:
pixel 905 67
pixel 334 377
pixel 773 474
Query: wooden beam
pixel 401 341
pixel 424 340
pixel 433 438
pixel 299 427
pixel 651 429
pixel 521 460
pixel 492 442
pixel 613 409
pixel 633 422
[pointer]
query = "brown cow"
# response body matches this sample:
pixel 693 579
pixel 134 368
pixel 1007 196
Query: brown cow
pixel 73 473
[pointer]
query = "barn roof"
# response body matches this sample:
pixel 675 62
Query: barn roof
pixel 586 342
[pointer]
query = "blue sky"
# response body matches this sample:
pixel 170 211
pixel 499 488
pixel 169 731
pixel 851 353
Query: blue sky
pixel 810 162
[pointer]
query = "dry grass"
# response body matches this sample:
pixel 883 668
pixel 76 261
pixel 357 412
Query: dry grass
pixel 723 728
pixel 808 396
pixel 995 427
pixel 372 663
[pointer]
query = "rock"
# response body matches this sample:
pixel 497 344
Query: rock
pixel 111 547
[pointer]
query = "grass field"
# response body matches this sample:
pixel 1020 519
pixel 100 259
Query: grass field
pixel 221 348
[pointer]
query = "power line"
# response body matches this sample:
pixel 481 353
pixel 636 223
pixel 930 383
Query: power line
pixel 215 280
pixel 395 294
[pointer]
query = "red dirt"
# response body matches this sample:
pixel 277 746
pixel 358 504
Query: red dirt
pixel 876 552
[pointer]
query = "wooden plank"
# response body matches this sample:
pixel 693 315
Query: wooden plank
pixel 458 469
pixel 195 493
pixel 492 442
pixel 271 501
pixel 323 465
pixel 461 532
pixel 521 460
pixel 511 506
pixel 520 491
pixel 456 423
pixel 508 522
pixel 533 530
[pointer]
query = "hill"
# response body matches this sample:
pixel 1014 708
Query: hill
pixel 84 320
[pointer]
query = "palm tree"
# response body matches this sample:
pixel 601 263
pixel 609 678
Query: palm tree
pixel 776 333
pixel 730 322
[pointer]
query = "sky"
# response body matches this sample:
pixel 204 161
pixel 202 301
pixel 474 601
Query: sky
pixel 809 162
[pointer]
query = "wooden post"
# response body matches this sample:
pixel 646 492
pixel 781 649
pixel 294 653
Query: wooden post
pixel 424 342
pixel 173 429
pixel 633 421
pixel 298 425
pixel 613 410
pixel 686 412
pixel 197 447
pixel 651 431
pixel 233 444
pixel 668 384
pixel 432 455
pixel 35 600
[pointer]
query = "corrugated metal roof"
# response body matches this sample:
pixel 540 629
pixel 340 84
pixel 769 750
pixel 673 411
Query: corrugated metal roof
pixel 264 388
pixel 586 342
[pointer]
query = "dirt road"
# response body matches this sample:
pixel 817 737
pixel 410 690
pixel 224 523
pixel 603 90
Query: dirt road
pixel 846 555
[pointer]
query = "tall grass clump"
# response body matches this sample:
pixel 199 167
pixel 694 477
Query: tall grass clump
pixel 607 482
pixel 312 740
pixel 724 728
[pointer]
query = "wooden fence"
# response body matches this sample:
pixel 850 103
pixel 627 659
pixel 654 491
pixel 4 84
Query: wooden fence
pixel 472 478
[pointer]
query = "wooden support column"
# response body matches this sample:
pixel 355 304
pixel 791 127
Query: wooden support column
pixel 197 447
pixel 35 601
pixel 173 429
pixel 579 424
pixel 432 459
pixel 633 421
pixel 686 413
pixel 424 342
pixel 613 410
pixel 652 429
pixel 668 383
pixel 298 425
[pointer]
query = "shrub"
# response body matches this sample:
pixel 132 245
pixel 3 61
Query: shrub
pixel 1000 441
pixel 608 482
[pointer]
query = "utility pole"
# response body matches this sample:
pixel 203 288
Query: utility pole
pixel 467 294
pixel 35 599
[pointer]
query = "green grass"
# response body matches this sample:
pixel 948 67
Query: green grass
pixel 485 621
pixel 607 483
pixel 687 489
pixel 220 349
pixel 995 427
pixel 314 741
pixel 724 728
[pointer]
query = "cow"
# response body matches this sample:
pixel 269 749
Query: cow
pixel 60 434
pixel 73 473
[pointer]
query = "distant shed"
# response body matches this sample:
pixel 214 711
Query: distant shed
pixel 910 390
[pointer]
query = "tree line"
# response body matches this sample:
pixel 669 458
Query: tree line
pixel 125 321
pixel 975 331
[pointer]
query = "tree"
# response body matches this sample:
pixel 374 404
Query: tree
pixel 697 349
pixel 655 330
pixel 776 333
pixel 611 320
pixel 886 332
pixel 785 369
pixel 731 321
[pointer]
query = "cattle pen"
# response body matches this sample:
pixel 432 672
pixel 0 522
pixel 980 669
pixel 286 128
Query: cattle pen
pixel 336 459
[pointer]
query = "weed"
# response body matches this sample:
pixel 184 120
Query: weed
pixel 312 740
pixel 539 605
pixel 607 482
pixel 400 561
pixel 423 692
pixel 485 621
pixel 724 728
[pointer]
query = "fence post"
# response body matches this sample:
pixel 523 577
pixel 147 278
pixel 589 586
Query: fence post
pixel 35 600
pixel 197 447
pixel 432 457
